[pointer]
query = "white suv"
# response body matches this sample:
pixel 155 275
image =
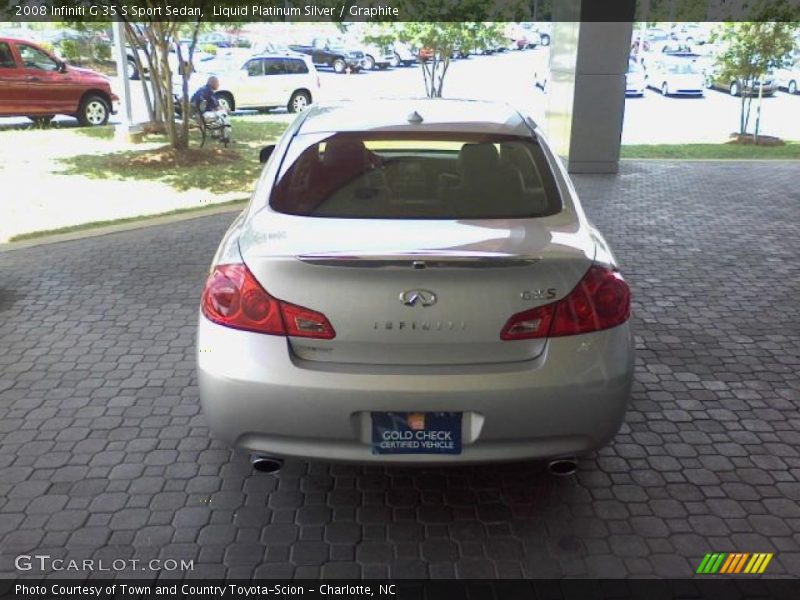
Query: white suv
pixel 265 81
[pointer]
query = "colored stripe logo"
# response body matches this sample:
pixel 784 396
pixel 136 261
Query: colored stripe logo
pixel 734 562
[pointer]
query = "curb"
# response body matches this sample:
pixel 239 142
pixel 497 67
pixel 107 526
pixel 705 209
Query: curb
pixel 144 221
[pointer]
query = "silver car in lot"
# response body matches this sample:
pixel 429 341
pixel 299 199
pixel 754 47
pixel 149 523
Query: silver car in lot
pixel 414 281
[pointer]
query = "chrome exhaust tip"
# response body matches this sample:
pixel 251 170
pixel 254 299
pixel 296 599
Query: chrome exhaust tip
pixel 563 467
pixel 265 464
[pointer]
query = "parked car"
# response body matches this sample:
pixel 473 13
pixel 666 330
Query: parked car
pixel 414 282
pixel 675 77
pixel 403 55
pixel 788 78
pixel 634 79
pixel 214 38
pixel 690 33
pixel 263 81
pixel 331 53
pixel 738 87
pixel 376 57
pixel 36 84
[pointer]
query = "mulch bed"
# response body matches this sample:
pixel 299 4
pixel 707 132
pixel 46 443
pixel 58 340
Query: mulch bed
pixel 748 139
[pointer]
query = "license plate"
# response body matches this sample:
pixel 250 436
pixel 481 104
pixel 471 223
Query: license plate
pixel 416 433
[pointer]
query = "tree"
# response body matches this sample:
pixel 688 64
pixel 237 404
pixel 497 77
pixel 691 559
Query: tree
pixel 439 41
pixel 750 51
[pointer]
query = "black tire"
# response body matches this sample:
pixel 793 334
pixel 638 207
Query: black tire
pixel 94 111
pixel 396 61
pixel 545 40
pixel 369 61
pixel 664 89
pixel 734 88
pixel 299 101
pixel 792 87
pixel 42 121
pixel 339 66
pixel 226 101
pixel 133 70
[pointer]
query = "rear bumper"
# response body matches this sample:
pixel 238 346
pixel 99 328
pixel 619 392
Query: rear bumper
pixel 570 400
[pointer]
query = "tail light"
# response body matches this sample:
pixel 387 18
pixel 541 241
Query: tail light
pixel 601 300
pixel 232 297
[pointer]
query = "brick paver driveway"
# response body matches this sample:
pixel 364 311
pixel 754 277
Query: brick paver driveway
pixel 104 453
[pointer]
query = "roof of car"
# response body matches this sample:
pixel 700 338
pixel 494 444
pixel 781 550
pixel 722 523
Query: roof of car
pixel 468 116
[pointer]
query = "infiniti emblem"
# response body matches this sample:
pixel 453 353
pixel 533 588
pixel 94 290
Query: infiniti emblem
pixel 418 297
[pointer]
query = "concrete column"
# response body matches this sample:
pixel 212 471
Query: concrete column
pixel 586 104
pixel 126 131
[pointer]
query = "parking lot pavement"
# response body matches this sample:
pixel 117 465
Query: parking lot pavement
pixel 104 452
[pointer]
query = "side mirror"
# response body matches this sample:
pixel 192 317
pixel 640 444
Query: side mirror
pixel 62 66
pixel 265 153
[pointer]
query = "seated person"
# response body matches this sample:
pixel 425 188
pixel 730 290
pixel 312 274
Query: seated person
pixel 214 115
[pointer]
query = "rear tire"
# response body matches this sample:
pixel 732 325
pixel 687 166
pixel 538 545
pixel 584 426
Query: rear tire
pixel 664 89
pixel 339 66
pixel 299 101
pixel 396 62
pixel 545 41
pixel 369 63
pixel 94 111
pixel 792 87
pixel 734 88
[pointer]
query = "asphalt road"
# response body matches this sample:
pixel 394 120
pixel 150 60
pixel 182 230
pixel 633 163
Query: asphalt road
pixel 509 77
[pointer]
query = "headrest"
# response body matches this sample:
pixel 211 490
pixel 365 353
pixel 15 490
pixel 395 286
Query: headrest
pixel 343 151
pixel 478 157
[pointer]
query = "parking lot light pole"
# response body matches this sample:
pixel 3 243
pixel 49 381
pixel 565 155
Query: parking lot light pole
pixel 126 131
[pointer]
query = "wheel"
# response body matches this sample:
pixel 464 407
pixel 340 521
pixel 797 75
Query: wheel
pixel 664 89
pixel 396 61
pixel 545 40
pixel 339 66
pixel 226 101
pixel 369 62
pixel 734 89
pixel 42 120
pixel 792 87
pixel 94 111
pixel 299 101
pixel 133 71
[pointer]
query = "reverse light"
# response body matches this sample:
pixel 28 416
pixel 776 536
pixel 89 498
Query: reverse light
pixel 601 300
pixel 232 297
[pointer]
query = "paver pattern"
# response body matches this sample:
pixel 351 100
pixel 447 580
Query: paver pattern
pixel 104 452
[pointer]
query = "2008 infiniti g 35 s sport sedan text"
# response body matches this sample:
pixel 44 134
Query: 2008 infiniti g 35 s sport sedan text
pixel 414 282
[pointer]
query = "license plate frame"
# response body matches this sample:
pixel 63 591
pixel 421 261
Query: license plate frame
pixel 416 433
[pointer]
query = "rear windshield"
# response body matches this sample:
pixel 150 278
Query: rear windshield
pixel 391 175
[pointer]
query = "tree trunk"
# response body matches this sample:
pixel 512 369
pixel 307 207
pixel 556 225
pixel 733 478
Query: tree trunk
pixel 758 109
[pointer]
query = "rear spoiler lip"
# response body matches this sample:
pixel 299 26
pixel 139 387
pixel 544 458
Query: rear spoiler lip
pixel 422 260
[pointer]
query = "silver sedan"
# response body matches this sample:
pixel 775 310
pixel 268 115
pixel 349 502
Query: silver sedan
pixel 414 282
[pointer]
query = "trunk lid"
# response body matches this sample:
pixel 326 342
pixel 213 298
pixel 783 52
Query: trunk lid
pixel 415 292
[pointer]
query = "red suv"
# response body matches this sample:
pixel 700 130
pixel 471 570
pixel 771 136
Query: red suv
pixel 36 84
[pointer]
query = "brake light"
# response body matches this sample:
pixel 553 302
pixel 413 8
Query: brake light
pixel 601 300
pixel 232 297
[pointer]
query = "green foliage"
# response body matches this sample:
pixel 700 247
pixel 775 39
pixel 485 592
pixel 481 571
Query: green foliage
pixel 751 50
pixel 439 39
pixel 210 48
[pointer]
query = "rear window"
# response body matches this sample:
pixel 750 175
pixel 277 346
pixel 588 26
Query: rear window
pixel 295 66
pixel 415 176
